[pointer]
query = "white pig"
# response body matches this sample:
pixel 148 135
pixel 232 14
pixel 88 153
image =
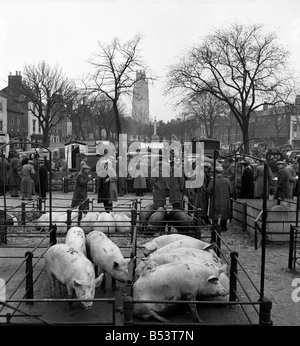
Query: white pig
pixel 71 268
pixel 123 222
pixel 75 238
pixel 163 240
pixel 105 223
pixel 89 221
pixel 189 242
pixel 107 256
pixel 156 260
pixel 174 281
pixel 209 256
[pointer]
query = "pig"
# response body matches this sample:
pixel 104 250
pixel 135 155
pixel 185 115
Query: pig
pixel 224 281
pixel 190 242
pixel 107 257
pixel 174 281
pixel 157 220
pixel 123 222
pixel 105 223
pixel 71 268
pixel 155 260
pixel 163 240
pixel 145 215
pixel 89 221
pixel 209 256
pixel 75 238
pixel 59 219
pixel 180 220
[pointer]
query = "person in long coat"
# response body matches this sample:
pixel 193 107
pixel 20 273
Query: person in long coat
pixel 27 183
pixel 231 177
pixel 292 171
pixel 107 185
pixel 43 175
pixel 80 190
pixel 282 189
pixel 14 177
pixel 4 168
pixel 220 207
pixel 176 187
pixel 139 173
pixel 259 180
pixel 247 183
pixel 159 182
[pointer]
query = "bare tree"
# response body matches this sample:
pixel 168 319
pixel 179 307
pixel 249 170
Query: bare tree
pixel 242 66
pixel 49 92
pixel 115 71
pixel 207 110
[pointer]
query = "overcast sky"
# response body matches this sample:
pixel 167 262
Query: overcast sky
pixel 66 32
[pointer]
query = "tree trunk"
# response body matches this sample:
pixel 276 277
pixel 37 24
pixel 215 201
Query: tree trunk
pixel 246 138
pixel 46 138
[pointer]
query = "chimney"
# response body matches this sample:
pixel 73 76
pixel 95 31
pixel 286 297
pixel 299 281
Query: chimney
pixel 265 106
pixel 14 81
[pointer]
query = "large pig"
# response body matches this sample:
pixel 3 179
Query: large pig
pixel 180 220
pixel 156 260
pixel 75 238
pixel 190 242
pixel 209 256
pixel 89 221
pixel 59 218
pixel 163 240
pixel 107 257
pixel 145 215
pixel 123 222
pixel 105 223
pixel 71 268
pixel 157 220
pixel 174 281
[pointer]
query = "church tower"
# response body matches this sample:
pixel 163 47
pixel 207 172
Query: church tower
pixel 140 99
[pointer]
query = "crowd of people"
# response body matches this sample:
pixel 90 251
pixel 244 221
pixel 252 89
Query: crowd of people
pixel 24 177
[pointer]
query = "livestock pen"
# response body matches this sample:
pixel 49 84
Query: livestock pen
pixel 246 304
pixel 27 290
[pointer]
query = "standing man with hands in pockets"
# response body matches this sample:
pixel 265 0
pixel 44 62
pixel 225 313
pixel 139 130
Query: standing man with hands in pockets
pixel 80 191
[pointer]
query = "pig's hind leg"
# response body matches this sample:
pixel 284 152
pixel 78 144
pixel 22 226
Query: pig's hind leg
pixel 156 316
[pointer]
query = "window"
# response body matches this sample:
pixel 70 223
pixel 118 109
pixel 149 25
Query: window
pixel 33 125
pixel 12 121
pixel 40 130
pixel 1 125
pixel 1 107
pixel 18 122
pixel 22 98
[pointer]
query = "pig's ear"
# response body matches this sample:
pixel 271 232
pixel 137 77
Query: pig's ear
pixel 99 280
pixel 212 278
pixel 78 283
pixel 127 260
pixel 115 265
pixel 222 269
pixel 145 259
pixel 209 246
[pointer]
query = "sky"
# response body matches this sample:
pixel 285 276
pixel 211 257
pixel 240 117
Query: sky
pixel 66 33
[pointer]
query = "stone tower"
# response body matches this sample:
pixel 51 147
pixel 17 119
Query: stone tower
pixel 140 99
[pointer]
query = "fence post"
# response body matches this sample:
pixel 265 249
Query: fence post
pixel 233 273
pixel 29 277
pixel 244 222
pixel 69 218
pixel 213 234
pixel 128 311
pixel 198 223
pixel 40 203
pixel 3 232
pixel 291 247
pixel 53 229
pixel 133 221
pixel 23 214
pixel 265 312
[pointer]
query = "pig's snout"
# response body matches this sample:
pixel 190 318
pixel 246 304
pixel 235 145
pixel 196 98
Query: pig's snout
pixel 87 305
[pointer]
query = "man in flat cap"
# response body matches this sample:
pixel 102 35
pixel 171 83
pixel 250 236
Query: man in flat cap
pixel 282 190
pixel 80 191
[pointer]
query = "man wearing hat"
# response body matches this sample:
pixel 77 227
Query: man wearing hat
pixel 282 190
pixel 43 176
pixel 219 198
pixel 247 183
pixel 80 191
